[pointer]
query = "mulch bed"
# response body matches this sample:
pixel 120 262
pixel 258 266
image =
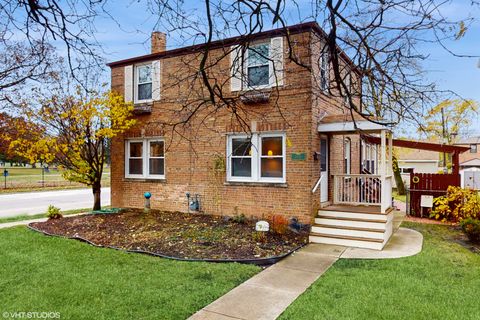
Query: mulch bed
pixel 175 234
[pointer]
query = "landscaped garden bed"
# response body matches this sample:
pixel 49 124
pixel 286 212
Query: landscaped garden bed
pixel 177 235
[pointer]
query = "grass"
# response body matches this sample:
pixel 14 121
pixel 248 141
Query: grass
pixel 40 273
pixel 43 215
pixel 396 196
pixel 439 283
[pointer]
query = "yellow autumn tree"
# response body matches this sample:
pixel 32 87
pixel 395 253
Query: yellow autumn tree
pixel 448 120
pixel 73 132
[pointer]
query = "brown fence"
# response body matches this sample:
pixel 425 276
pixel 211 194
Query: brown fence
pixel 428 184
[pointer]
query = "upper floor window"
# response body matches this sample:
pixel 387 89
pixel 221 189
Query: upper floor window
pixel 348 84
pixel 473 148
pixel 259 158
pixel 324 71
pixel 258 68
pixel 143 82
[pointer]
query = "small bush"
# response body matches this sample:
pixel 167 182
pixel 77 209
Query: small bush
pixel 456 205
pixel 471 227
pixel 53 212
pixel 239 218
pixel 259 236
pixel 279 224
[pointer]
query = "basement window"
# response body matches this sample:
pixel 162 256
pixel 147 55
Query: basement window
pixel 258 158
pixel 145 158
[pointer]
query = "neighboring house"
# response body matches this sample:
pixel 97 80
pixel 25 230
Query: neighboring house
pixel 416 160
pixel 470 163
pixel 302 155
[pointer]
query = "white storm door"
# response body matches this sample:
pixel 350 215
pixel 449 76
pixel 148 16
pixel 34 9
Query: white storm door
pixel 324 169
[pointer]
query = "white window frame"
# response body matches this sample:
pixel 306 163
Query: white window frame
pixel 269 62
pixel 256 158
pixel 347 143
pixel 325 69
pixel 136 82
pixel 145 159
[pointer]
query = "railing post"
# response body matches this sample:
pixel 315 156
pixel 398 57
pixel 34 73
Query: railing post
pixel 335 192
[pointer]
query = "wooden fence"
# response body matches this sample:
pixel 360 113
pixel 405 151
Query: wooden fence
pixel 428 184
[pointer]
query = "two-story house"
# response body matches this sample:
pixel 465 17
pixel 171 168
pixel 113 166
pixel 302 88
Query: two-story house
pixel 279 142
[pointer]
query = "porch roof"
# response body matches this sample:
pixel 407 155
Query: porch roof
pixel 447 148
pixel 351 127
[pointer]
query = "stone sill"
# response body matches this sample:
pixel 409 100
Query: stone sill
pixel 256 184
pixel 144 180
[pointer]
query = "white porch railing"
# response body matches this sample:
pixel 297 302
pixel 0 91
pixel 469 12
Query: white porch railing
pixel 362 189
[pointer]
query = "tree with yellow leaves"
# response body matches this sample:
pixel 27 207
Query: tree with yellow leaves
pixel 449 120
pixel 74 130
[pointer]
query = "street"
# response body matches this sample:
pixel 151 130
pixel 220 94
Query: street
pixel 30 203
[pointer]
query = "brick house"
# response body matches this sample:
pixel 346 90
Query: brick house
pixel 291 149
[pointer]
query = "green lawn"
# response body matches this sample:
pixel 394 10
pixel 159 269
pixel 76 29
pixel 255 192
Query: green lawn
pixel 442 282
pixel 40 273
pixel 396 196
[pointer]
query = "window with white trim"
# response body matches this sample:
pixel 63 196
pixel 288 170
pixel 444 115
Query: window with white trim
pixel 145 158
pixel 143 82
pixel 347 158
pixel 258 158
pixel 258 65
pixel 324 71
pixel 348 85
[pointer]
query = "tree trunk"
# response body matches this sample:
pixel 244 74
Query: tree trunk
pixel 398 177
pixel 96 188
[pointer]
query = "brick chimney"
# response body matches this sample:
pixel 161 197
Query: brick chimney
pixel 159 42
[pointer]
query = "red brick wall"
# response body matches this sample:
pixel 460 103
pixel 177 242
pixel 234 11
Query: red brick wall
pixel 191 149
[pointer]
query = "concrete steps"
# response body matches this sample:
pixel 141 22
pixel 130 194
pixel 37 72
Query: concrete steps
pixel 352 229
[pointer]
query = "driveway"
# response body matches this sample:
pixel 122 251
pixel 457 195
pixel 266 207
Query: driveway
pixel 30 203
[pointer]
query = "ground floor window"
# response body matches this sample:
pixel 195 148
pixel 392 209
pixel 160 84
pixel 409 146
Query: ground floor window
pixel 256 158
pixel 145 158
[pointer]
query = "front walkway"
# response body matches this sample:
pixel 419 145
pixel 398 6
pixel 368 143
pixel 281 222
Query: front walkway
pixel 269 293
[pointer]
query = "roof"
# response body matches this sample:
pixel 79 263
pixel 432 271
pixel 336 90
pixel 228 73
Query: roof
pixel 471 163
pixel 468 140
pixel 437 147
pixel 349 122
pixel 294 29
pixel 406 154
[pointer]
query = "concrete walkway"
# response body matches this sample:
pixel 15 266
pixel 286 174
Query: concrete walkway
pixel 269 293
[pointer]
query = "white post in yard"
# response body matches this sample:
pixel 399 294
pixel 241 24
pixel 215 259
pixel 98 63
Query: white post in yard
pixel 383 171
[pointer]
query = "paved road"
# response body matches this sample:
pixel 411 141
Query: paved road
pixel 30 203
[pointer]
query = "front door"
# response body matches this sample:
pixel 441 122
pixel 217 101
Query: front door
pixel 324 169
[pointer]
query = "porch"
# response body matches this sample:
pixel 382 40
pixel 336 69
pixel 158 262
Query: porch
pixel 358 211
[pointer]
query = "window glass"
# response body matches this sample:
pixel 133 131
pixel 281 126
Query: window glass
pixel 144 82
pixel 258 65
pixel 272 167
pixel 323 155
pixel 156 166
pixel 272 146
pixel 156 149
pixel 473 148
pixel 241 147
pixel 136 149
pixel 241 167
pixel 324 71
pixel 135 166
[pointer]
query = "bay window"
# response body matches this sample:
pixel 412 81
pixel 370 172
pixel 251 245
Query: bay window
pixel 145 158
pixel 256 158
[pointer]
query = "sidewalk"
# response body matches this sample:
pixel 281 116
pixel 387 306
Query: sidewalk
pixel 269 293
pixel 25 222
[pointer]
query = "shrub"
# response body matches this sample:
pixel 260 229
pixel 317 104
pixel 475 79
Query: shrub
pixel 279 224
pixel 471 227
pixel 259 236
pixel 53 212
pixel 239 218
pixel 456 205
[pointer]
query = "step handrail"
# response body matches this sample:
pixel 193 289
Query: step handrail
pixel 317 184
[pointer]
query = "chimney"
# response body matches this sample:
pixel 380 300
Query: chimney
pixel 159 42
